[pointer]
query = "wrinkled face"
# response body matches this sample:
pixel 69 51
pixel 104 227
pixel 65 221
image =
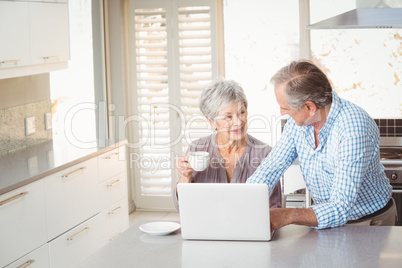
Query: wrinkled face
pixel 301 117
pixel 231 122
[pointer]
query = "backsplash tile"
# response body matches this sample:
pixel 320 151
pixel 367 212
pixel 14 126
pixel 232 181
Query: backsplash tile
pixel 389 127
pixel 12 131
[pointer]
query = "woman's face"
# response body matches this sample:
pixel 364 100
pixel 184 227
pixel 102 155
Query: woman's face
pixel 231 122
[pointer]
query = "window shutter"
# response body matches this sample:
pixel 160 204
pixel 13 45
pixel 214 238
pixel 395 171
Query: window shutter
pixel 152 88
pixel 174 57
pixel 195 67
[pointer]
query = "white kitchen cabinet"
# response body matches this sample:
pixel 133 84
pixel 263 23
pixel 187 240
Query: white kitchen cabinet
pixel 114 220
pixel 72 196
pixel 112 163
pixel 62 219
pixel 76 245
pixel 48 28
pixel 22 222
pixel 113 190
pixel 35 37
pixel 114 200
pixel 14 32
pixel 293 179
pixel 39 258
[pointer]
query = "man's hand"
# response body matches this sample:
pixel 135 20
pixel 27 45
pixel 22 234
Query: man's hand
pixel 281 217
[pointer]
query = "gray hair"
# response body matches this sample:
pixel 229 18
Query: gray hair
pixel 303 81
pixel 219 94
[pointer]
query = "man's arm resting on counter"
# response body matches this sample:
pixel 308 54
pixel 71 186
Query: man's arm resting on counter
pixel 281 217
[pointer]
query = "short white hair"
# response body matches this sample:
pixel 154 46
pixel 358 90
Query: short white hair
pixel 219 94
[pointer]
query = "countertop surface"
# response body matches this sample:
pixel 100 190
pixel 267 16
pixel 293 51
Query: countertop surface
pixel 33 163
pixel 291 246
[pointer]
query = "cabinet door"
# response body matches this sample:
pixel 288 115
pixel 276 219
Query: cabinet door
pixel 293 179
pixel 38 258
pixel 22 222
pixel 14 32
pixel 49 32
pixel 72 196
pixel 76 245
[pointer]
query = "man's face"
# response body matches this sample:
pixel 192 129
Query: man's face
pixel 301 117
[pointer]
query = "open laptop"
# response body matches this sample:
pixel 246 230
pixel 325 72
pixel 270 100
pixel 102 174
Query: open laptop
pixel 224 211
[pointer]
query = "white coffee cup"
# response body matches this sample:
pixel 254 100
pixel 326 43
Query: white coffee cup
pixel 199 160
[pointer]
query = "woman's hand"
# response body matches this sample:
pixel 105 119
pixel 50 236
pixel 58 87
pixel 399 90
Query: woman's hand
pixel 184 168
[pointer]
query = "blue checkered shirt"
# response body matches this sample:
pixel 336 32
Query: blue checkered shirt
pixel 343 174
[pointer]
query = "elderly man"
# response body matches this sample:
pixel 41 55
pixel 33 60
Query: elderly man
pixel 337 144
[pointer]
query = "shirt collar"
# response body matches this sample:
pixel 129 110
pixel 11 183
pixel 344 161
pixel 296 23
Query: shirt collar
pixel 333 114
pixel 326 128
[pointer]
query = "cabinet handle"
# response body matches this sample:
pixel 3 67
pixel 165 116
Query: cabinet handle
pixel 80 233
pixel 113 183
pixel 113 237
pixel 111 155
pixel 73 172
pixel 2 203
pixel 9 61
pixel 26 264
pixel 51 58
pixel 115 210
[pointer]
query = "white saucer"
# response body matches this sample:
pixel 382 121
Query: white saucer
pixel 159 228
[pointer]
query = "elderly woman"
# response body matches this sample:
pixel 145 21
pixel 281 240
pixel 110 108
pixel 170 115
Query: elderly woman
pixel 234 155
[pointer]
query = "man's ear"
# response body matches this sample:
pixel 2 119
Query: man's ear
pixel 311 107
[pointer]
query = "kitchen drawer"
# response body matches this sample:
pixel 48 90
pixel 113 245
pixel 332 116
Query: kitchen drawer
pixel 76 245
pixel 112 163
pixel 22 222
pixel 38 258
pixel 113 189
pixel 72 196
pixel 114 220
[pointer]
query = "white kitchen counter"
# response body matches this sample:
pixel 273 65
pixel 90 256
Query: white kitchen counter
pixel 291 246
pixel 28 165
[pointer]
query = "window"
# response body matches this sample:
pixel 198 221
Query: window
pixel 175 54
pixel 365 65
pixel 265 39
pixel 72 90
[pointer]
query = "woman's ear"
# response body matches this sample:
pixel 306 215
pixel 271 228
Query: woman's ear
pixel 211 122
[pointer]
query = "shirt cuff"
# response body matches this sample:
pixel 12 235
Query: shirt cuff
pixel 325 216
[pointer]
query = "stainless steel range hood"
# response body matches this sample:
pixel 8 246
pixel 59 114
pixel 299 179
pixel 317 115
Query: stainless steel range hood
pixel 362 18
